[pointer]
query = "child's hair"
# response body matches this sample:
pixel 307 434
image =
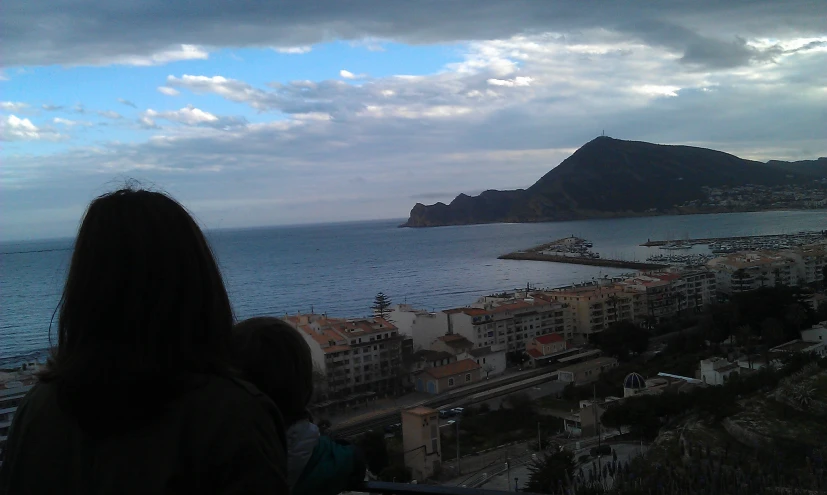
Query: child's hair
pixel 274 357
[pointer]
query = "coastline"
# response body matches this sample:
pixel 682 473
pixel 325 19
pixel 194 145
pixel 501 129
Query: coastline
pixel 613 215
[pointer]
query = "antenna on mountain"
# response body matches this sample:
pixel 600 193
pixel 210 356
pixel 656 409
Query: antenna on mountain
pixel 603 133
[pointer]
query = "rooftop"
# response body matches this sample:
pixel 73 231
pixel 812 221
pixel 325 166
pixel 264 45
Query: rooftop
pixel 550 338
pixel 483 351
pixel 587 365
pixel 420 411
pixel 455 368
pixel 456 341
pixel 429 355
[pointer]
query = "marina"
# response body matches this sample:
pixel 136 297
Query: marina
pixel 575 250
pixel 743 243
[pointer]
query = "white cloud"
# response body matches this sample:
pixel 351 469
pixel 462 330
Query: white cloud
pixel 168 91
pixel 294 50
pixel 13 128
pixel 51 108
pixel 190 116
pixel 169 55
pixel 455 126
pixel 109 114
pixel 127 103
pixel 346 74
pixel 71 123
pixel 517 81
pixel 13 106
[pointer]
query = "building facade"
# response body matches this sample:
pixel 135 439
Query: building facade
pixel 353 355
pixel 491 359
pixel 510 321
pixel 596 307
pixel 420 442
pixel 741 272
pixel 440 379
pixel 587 371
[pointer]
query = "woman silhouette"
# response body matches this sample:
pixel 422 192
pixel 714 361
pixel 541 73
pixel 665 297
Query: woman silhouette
pixel 138 396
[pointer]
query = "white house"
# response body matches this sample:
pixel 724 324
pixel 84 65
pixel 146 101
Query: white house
pixel 818 333
pixel 490 358
pixel 717 370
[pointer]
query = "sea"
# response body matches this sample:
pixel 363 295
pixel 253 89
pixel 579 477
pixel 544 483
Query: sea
pixel 338 268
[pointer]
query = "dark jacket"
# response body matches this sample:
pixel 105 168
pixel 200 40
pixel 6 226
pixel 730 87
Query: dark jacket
pixel 320 465
pixel 216 435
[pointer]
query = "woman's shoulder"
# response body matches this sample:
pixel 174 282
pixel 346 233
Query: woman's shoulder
pixel 234 395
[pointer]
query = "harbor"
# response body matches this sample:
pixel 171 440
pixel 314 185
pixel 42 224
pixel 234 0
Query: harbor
pixel 575 250
pixel 725 245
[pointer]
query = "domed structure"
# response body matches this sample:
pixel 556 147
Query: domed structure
pixel 633 384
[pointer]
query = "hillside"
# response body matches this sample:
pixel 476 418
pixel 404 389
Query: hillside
pixel 612 178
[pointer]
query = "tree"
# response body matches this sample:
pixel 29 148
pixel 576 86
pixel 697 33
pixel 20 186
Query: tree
pixel 621 338
pixel 551 474
pixel 373 445
pixel 487 368
pixel 381 305
pixel 772 332
pixel 520 402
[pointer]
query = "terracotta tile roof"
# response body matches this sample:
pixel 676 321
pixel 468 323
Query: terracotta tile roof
pixel 534 353
pixel 452 369
pixel 420 411
pixel 549 338
pixel 456 341
pixel 468 311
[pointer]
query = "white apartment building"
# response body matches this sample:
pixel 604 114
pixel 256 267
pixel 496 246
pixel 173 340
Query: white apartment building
pixel 422 326
pixel 809 260
pixel 595 307
pixel 510 322
pixel 670 292
pixel 740 272
pixel 354 355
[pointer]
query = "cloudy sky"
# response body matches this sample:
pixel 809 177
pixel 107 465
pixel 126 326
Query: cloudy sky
pixel 264 113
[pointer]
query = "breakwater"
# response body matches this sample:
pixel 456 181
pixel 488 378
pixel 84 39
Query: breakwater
pixel 534 256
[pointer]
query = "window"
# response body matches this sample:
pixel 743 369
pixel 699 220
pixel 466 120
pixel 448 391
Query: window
pixel 450 382
pixel 468 377
pixel 483 361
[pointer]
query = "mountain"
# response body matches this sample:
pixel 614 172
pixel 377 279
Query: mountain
pixel 816 169
pixel 612 178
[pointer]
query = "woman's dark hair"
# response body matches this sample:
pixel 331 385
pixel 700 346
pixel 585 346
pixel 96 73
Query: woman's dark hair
pixel 144 299
pixel 274 357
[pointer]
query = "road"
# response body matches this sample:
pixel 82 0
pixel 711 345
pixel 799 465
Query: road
pixel 484 391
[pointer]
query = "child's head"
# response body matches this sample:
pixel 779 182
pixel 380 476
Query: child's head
pixel 275 358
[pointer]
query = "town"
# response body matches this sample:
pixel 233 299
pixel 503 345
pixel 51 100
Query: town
pixel 758 197
pixel 467 395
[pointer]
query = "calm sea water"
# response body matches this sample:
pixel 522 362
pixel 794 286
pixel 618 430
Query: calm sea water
pixel 338 268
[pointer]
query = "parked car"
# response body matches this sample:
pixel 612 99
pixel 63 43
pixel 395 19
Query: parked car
pixel 393 428
pixel 450 422
pixel 458 411
pixel 446 413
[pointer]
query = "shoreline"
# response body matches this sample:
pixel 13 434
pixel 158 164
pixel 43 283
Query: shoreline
pixel 613 216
